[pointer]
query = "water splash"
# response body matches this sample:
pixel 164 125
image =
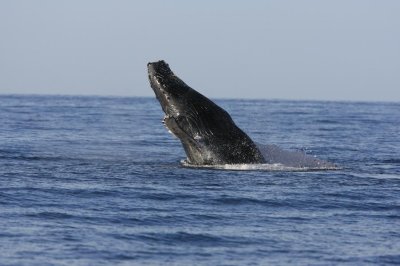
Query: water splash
pixel 261 167
pixel 297 159
pixel 278 159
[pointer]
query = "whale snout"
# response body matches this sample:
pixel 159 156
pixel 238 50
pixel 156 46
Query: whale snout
pixel 170 91
pixel 160 68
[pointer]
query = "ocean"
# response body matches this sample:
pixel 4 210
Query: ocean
pixel 99 181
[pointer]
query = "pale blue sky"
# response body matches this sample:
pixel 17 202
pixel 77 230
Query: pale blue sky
pixel 322 50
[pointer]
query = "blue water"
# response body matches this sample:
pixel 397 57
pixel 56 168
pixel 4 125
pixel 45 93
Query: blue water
pixel 98 181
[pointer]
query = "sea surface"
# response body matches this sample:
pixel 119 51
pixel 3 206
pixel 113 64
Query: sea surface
pixel 99 181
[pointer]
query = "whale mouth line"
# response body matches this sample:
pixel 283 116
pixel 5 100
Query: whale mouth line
pixel 160 92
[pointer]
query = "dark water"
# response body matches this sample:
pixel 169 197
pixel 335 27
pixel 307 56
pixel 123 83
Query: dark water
pixel 98 181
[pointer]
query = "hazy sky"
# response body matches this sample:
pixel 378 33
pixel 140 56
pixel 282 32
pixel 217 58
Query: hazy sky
pixel 299 49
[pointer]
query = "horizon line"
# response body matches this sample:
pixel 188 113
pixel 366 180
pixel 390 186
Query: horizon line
pixel 215 98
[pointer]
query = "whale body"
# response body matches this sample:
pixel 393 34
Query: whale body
pixel 207 132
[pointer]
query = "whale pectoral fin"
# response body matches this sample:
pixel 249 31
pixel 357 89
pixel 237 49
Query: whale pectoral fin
pixel 192 146
pixel 173 127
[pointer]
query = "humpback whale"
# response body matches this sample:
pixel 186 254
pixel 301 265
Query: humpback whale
pixel 207 132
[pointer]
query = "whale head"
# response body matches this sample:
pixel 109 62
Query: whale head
pixel 170 91
pixel 206 131
pixel 184 116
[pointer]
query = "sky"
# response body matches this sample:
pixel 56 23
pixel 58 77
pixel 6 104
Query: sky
pixel 272 49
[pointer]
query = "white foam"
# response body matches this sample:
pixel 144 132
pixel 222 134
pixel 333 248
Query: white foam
pixel 260 167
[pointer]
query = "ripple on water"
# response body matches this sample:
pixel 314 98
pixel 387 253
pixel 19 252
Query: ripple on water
pixel 98 181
